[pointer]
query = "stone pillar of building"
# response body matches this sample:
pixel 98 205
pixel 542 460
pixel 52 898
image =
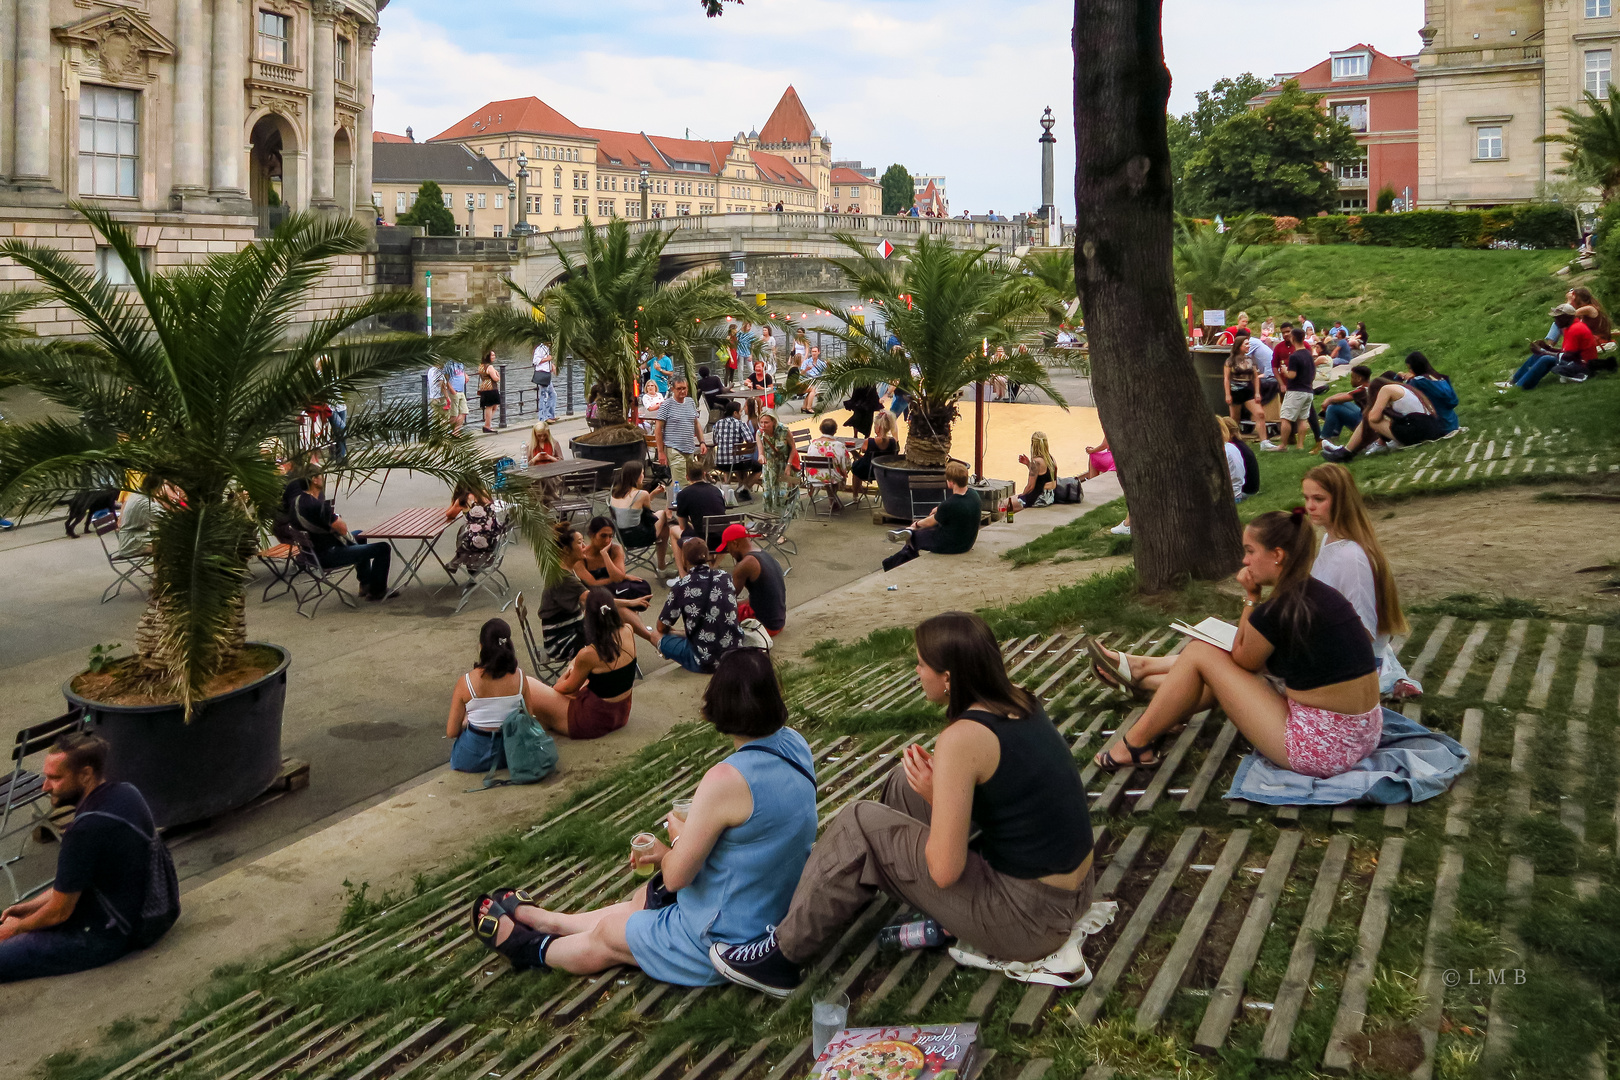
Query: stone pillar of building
pixel 227 103
pixel 32 96
pixel 362 153
pixel 191 73
pixel 322 103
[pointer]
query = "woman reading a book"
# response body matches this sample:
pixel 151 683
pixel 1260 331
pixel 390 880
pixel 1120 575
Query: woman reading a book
pixel 728 871
pixel 1000 768
pixel 1325 716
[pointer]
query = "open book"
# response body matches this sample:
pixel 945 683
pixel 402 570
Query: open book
pixel 1217 632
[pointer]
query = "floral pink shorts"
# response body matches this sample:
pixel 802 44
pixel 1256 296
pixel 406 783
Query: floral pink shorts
pixel 1322 743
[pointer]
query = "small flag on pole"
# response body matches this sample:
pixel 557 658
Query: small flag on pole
pixel 885 249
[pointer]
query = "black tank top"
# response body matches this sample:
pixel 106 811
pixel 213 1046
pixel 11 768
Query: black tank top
pixel 1032 814
pixel 610 684
pixel 768 593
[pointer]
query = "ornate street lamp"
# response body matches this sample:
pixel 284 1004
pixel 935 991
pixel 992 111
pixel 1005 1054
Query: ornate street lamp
pixel 511 202
pixel 523 228
pixel 645 187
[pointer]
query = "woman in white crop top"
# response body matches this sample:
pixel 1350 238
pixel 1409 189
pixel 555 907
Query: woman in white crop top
pixel 485 696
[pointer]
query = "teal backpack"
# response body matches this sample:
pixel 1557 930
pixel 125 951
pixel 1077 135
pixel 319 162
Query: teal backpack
pixel 531 753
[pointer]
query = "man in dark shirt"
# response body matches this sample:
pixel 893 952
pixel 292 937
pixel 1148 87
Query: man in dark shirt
pixel 1342 412
pixel 334 545
pixel 706 603
pixel 1297 406
pixel 695 504
pixel 950 529
pixel 102 872
pixel 760 575
pixel 709 388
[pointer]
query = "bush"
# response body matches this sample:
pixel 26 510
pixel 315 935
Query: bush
pixel 1608 217
pixel 1327 229
pixel 1423 228
pixel 1541 225
pixel 1538 225
pixel 1386 199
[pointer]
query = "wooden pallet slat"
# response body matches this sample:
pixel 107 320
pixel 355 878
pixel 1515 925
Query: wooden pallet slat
pixel 1290 996
pixel 1352 1014
pixel 1431 977
pixel 1209 770
pixel 1191 933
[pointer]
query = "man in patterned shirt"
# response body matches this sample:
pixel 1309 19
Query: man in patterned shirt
pixel 707 602
pixel 731 433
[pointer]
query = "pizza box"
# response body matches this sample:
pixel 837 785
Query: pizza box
pixel 933 1052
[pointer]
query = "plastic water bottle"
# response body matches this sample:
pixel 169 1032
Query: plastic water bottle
pixel 920 932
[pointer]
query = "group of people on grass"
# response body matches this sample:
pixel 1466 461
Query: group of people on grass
pixel 1578 344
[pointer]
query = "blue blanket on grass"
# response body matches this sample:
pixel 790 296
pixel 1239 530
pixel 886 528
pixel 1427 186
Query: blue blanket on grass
pixel 1411 764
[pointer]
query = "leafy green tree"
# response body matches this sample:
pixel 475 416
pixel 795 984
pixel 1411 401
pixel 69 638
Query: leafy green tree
pixel 1386 199
pixel 1224 270
pixel 941 304
pixel 1278 159
pixel 12 304
pixel 1592 141
pixel 609 299
pixel 191 378
pixel 898 191
pixel 1226 99
pixel 429 211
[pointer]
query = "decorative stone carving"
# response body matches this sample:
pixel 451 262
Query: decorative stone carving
pixel 121 41
pixel 368 35
pixel 325 10
pixel 291 108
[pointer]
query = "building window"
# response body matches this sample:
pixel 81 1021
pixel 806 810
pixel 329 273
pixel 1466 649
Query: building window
pixel 1598 9
pixel 556 205
pixel 1350 67
pixel 342 62
pixel 1353 113
pixel 376 199
pixel 604 208
pixel 275 37
pixel 111 269
pixel 1599 64
pixel 1488 143
pixel 500 201
pixel 108 137
pixel 399 202
pixel 481 200
pixel 1355 171
pixel 660 209
pixel 556 176
pixel 683 209
pixel 1351 206
pixel 582 207
pixel 497 232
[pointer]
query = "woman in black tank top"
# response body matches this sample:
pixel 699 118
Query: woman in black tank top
pixel 593 696
pixel 999 768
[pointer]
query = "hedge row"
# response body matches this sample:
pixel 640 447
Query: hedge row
pixel 1537 225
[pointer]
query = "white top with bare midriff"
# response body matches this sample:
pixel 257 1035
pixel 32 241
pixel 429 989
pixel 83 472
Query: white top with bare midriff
pixel 489 713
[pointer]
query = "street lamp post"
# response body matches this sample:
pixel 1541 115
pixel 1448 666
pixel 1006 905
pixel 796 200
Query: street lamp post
pixel 511 203
pixel 522 228
pixel 645 187
pixel 1048 183
pixel 469 213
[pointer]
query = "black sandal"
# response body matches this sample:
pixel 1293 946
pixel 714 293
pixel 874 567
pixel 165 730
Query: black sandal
pixel 1108 765
pixel 524 947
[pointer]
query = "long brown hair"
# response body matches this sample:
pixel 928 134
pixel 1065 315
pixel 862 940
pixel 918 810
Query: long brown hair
pixel 1348 520
pixel 1599 324
pixel 1289 531
pixel 602 623
pixel 629 479
pixel 962 644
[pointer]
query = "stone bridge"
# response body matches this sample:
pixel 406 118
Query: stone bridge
pixel 728 238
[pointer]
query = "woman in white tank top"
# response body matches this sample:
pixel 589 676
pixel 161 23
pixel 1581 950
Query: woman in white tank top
pixel 485 696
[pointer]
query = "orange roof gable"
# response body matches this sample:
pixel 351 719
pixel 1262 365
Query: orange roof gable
pixel 789 123
pixel 843 175
pixel 1383 70
pixel 625 150
pixel 778 170
pixel 525 116
pixel 386 137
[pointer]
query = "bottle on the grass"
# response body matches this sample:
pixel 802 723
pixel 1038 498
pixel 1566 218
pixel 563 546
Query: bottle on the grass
pixel 916 932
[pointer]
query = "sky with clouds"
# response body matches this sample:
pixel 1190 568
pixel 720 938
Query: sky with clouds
pixel 942 86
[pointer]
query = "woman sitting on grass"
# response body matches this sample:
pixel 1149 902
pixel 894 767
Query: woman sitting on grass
pixel 593 696
pixel 1306 635
pixel 731 866
pixel 1396 414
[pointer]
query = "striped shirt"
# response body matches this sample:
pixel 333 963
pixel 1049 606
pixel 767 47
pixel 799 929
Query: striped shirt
pixel 680 424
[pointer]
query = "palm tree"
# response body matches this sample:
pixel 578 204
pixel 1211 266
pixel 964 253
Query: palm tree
pixel 189 379
pixel 608 306
pixel 1053 269
pixel 1592 141
pixel 1223 270
pixel 944 306
pixel 13 304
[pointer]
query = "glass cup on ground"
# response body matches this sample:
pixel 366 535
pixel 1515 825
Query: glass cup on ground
pixel 681 807
pixel 642 845
pixel 828 1015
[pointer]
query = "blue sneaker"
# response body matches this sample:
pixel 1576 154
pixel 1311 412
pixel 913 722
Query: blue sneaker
pixel 7 523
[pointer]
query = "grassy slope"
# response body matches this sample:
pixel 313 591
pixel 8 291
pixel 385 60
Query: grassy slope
pixel 1472 313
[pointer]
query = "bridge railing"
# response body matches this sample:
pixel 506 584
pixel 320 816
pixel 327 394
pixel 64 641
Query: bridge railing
pixel 901 229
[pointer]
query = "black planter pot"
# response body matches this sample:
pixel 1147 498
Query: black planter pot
pixel 893 476
pixel 227 756
pixel 1209 361
pixel 615 454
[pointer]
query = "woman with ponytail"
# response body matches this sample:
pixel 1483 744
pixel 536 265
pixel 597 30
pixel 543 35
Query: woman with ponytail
pixel 485 696
pixel 593 696
pixel 1323 717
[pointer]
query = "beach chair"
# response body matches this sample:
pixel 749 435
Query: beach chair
pixel 126 568
pixel 25 789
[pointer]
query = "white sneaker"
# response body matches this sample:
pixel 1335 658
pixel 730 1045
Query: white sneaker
pixel 1376 448
pixel 1267 444
pixel 1330 446
pixel 1122 529
pixel 1572 378
pixel 1504 385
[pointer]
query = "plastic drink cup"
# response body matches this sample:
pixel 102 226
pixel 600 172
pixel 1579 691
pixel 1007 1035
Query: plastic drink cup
pixel 827 1018
pixel 643 844
pixel 681 807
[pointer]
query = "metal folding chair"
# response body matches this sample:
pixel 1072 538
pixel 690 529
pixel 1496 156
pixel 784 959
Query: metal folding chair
pixel 927 492
pixel 26 788
pixel 824 465
pixel 484 572
pixel 311 583
pixel 540 662
pixel 771 531
pixel 126 567
pixel 279 560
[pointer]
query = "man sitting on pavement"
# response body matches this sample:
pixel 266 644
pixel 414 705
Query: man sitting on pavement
pixel 706 603
pixel 685 519
pixel 761 575
pixel 95 910
pixel 950 529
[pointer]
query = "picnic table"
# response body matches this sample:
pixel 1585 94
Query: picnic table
pixel 423 524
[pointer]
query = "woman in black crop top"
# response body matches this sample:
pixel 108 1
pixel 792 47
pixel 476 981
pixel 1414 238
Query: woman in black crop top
pixel 593 696
pixel 1000 768
pixel 1305 636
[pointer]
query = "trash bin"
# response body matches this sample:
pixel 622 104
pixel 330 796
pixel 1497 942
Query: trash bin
pixel 1209 361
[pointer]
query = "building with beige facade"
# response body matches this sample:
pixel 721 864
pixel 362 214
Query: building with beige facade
pixel 198 122
pixel 474 190
pixel 575 173
pixel 1492 76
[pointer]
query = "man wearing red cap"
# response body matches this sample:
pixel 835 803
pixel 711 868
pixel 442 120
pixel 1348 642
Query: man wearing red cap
pixel 760 575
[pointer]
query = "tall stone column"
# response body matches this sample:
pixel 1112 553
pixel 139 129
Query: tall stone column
pixel 362 152
pixel 32 167
pixel 191 99
pixel 228 101
pixel 322 102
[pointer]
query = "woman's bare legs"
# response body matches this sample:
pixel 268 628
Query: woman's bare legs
pixel 1201 676
pixel 588 942
pixel 1257 414
pixel 550 707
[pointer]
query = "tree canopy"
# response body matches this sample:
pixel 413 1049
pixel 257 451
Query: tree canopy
pixel 1592 141
pixel 1278 159
pixel 429 211
pixel 1226 99
pixel 898 191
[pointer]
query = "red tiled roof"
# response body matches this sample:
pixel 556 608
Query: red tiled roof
pixel 386 137
pixel 843 175
pixel 625 149
pixel 712 154
pixel 527 116
pixel 789 123
pixel 778 170
pixel 1383 70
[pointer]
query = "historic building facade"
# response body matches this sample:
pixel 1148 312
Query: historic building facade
pixel 475 191
pixel 199 123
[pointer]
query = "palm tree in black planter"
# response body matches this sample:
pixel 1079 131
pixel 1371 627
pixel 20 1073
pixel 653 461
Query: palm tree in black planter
pixel 188 380
pixel 949 309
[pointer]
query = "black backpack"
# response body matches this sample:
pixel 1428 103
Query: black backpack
pixel 161 907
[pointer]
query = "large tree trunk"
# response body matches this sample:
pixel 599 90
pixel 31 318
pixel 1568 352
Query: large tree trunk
pixel 1163 435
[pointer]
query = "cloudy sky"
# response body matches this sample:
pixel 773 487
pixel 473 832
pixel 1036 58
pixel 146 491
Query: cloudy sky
pixel 942 86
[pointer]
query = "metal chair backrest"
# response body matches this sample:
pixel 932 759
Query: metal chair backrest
pixel 106 525
pixel 801 439
pixel 927 492
pixel 33 740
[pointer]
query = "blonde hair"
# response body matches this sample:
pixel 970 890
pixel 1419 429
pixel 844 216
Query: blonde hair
pixel 541 430
pixel 1348 520
pixel 884 422
pixel 1229 428
pixel 1039 447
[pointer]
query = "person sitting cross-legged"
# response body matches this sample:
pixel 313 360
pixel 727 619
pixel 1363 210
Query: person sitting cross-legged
pixel 728 873
pixel 1000 769
pixel 1305 634
pixel 93 911
pixel 706 602
pixel 950 528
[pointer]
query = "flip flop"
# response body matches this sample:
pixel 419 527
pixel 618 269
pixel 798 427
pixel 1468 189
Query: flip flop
pixel 1115 674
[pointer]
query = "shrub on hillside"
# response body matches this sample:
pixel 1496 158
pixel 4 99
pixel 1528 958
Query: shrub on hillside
pixel 1538 225
pixel 1423 228
pixel 1541 225
pixel 1608 217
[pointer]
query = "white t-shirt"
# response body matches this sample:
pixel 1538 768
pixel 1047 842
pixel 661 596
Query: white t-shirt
pixel 542 358
pixel 1261 355
pixel 1235 469
pixel 1345 566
